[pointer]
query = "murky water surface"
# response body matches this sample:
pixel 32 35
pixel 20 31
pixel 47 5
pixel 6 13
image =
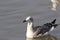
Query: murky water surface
pixel 13 12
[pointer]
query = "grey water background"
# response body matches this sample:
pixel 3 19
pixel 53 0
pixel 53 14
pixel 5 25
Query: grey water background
pixel 13 12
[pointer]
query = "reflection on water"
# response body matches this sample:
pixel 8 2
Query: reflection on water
pixel 46 37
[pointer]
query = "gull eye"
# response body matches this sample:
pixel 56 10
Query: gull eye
pixel 31 19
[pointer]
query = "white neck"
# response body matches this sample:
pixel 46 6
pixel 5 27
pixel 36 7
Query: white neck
pixel 29 32
pixel 29 26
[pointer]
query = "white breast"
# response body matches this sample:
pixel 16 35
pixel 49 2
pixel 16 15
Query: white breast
pixel 29 34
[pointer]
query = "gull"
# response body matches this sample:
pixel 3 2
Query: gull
pixel 54 4
pixel 37 31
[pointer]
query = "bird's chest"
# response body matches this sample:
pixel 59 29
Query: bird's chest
pixel 29 34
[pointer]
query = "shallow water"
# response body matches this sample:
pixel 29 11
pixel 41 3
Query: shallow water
pixel 13 12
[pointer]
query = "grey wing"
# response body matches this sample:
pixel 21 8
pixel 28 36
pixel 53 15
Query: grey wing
pixel 36 27
pixel 38 30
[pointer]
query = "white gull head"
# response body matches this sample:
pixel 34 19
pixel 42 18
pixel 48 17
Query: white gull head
pixel 28 19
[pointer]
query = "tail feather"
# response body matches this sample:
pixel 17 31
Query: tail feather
pixel 53 22
pixel 55 25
